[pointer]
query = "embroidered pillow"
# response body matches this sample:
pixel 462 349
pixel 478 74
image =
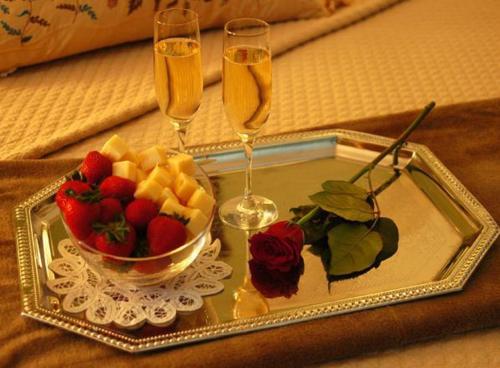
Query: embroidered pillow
pixel 35 31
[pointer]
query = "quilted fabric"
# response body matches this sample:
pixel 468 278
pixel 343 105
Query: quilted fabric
pixel 417 51
pixel 46 107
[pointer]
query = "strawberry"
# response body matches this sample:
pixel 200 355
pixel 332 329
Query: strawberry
pixel 117 187
pixel 152 266
pixel 90 240
pixel 140 211
pixel 110 208
pixel 70 189
pixel 80 216
pixel 96 167
pixel 165 234
pixel 116 238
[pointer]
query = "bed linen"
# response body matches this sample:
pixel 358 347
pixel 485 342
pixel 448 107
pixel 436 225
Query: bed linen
pixel 25 342
pixel 397 60
pixel 394 61
pixel 55 104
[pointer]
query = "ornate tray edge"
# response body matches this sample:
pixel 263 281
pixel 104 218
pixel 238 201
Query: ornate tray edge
pixel 454 282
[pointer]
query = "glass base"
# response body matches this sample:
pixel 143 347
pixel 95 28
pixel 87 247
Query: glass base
pixel 248 214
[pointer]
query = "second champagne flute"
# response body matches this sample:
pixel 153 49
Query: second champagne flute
pixel 246 83
pixel 177 66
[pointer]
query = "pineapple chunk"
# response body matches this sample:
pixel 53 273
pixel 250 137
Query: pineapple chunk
pixel 166 194
pixel 182 163
pixel 140 175
pixel 115 148
pixel 151 157
pixel 197 221
pixel 184 186
pixel 148 189
pixel 162 176
pixel 202 200
pixel 171 207
pixel 125 169
pixel 131 155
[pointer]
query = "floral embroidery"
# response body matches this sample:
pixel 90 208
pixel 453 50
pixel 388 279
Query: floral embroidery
pixel 133 5
pixel 12 25
pixel 86 8
pixel 78 8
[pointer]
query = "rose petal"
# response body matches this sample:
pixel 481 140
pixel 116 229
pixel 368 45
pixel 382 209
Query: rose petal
pixel 273 283
pixel 285 229
pixel 275 253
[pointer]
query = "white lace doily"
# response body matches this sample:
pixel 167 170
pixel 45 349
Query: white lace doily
pixel 105 301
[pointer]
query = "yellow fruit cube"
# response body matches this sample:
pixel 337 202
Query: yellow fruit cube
pixel 140 175
pixel 166 194
pixel 151 157
pixel 197 221
pixel 125 169
pixel 148 189
pixel 171 207
pixel 182 163
pixel 184 186
pixel 131 155
pixel 201 200
pixel 115 148
pixel 162 176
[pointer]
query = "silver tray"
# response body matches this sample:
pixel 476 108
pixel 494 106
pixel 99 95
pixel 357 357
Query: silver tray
pixel 444 233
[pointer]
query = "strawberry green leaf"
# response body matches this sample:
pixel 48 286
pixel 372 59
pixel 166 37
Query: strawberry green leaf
pixel 142 249
pixel 183 220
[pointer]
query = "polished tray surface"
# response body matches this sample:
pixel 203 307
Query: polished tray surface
pixel 444 233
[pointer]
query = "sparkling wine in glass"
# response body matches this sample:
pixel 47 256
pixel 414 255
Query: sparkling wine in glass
pixel 177 66
pixel 246 81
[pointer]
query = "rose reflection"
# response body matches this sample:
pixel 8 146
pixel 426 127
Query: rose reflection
pixel 275 283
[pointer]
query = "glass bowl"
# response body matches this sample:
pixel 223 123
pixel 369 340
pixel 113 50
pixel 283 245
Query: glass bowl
pixel 148 271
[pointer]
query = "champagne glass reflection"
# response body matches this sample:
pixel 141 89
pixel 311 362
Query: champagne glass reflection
pixel 177 66
pixel 246 80
pixel 248 301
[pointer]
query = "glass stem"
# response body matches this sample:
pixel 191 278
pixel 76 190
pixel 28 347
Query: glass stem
pixel 181 138
pixel 248 147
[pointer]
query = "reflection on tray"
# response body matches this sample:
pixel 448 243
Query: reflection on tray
pixel 441 227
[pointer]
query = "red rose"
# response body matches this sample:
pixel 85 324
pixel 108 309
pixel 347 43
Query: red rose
pixel 274 283
pixel 279 247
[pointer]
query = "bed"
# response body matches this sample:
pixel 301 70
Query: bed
pixel 371 59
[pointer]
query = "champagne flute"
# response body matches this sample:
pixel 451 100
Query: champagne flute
pixel 246 80
pixel 177 66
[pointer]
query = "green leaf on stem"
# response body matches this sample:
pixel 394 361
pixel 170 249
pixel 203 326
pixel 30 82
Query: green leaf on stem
pixel 345 188
pixel 353 248
pixel 316 229
pixel 390 238
pixel 347 206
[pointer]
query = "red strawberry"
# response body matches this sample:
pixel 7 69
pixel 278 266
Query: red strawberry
pixel 90 240
pixel 165 234
pixel 117 239
pixel 117 187
pixel 70 189
pixel 96 167
pixel 80 216
pixel 110 208
pixel 140 211
pixel 152 266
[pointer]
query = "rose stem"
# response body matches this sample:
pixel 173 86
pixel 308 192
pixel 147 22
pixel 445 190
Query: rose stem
pixel 401 140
